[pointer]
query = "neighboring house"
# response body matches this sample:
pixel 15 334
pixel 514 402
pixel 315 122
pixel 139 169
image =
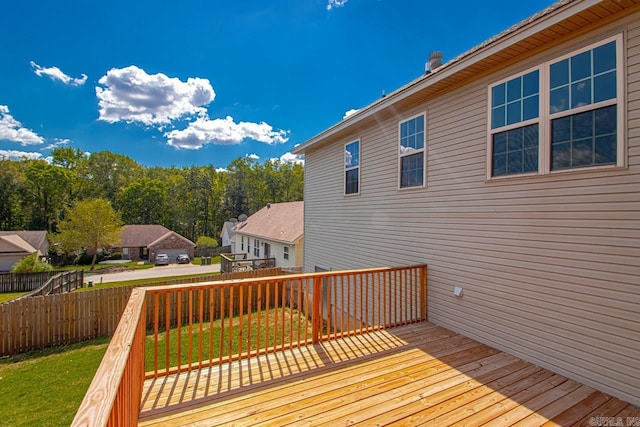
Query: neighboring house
pixel 227 235
pixel 15 245
pixel 513 171
pixel 144 242
pixel 275 231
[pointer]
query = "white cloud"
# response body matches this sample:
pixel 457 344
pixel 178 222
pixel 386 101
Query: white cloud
pixel 291 158
pixel 222 170
pixel 350 113
pixel 58 142
pixel 335 3
pixel 12 130
pixel 19 155
pixel 224 132
pixel 131 95
pixel 253 156
pixel 55 73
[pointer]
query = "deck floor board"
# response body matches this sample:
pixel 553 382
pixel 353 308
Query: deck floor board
pixel 419 374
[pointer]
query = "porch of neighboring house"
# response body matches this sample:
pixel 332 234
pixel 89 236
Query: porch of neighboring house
pixel 233 263
pixel 321 349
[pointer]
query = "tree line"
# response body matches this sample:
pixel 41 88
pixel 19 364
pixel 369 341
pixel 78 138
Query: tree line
pixel 193 201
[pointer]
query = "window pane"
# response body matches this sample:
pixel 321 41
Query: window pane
pixel 559 99
pixel 593 139
pixel 514 89
pixel 500 143
pixel 351 181
pixel 560 156
pixel 498 95
pixel 581 66
pixel 606 149
pixel 582 125
pixel 499 165
pixel 412 170
pixel 582 153
pixel 514 112
pixel 420 124
pixel 403 129
pixel 420 140
pixel 530 83
pixel 561 129
pixel 352 155
pixel 515 151
pixel 530 108
pixel 604 87
pixel 411 141
pixel 581 94
pixel 498 118
pixel 559 73
pixel 604 58
pixel 606 120
pixel 514 162
pixel 412 127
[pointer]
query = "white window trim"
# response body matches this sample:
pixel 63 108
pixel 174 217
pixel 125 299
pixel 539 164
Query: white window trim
pixel 545 116
pixel 286 253
pixel 345 169
pixel 423 150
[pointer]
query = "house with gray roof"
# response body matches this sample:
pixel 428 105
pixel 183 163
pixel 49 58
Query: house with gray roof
pixel 143 242
pixel 15 245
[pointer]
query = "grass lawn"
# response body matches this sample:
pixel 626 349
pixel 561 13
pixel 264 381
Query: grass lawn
pixel 9 296
pixel 198 260
pixel 140 282
pixel 132 265
pixel 45 387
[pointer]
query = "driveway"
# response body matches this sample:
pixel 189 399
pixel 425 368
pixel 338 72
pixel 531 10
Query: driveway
pixel 152 273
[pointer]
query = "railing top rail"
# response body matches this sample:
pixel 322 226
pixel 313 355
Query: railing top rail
pixel 302 276
pixel 96 406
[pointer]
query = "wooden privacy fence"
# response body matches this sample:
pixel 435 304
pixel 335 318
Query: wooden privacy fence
pixel 44 321
pixel 67 281
pixel 24 282
pixel 234 320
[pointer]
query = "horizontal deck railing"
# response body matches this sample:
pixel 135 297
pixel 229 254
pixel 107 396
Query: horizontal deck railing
pixel 198 325
pixel 231 263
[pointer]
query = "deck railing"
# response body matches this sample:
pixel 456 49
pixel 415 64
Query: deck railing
pixel 199 325
pixel 232 263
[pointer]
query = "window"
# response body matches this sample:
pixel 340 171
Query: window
pixel 256 248
pixel 412 152
pixel 242 243
pixel 563 115
pixel 286 252
pixel 583 108
pixel 352 168
pixel 248 245
pixel 514 125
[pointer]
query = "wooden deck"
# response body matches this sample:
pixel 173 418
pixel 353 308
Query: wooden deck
pixel 410 375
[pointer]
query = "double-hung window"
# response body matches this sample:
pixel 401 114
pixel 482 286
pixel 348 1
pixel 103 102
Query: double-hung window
pixel 565 114
pixel 256 248
pixel 515 125
pixel 412 152
pixel 286 252
pixel 583 108
pixel 352 168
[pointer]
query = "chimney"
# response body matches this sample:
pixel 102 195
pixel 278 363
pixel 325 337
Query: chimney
pixel 435 61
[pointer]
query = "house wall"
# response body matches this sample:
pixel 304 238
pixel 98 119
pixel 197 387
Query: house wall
pixel 550 264
pixel 277 251
pixel 171 245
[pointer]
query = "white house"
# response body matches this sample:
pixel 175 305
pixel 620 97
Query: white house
pixel 227 235
pixel 513 171
pixel 275 231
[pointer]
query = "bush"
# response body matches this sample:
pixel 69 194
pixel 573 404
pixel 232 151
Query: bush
pixel 83 259
pixel 116 255
pixel 206 242
pixel 31 264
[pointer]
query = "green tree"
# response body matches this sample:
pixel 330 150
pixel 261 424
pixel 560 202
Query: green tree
pixel 111 173
pixel 11 202
pixel 144 201
pixel 46 191
pixel 89 224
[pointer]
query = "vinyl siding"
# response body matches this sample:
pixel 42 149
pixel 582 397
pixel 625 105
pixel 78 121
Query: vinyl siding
pixel 549 264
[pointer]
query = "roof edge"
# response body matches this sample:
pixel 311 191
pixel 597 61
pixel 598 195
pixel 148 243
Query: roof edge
pixel 514 34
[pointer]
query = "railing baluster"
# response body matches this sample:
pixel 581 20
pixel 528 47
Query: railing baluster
pixel 167 323
pixel 231 313
pixel 240 329
pixel 249 311
pixel 156 310
pixel 179 328
pixel 275 317
pixel 201 315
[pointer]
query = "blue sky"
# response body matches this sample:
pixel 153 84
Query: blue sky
pixel 201 82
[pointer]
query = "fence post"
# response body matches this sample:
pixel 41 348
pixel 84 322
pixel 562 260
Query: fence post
pixel 423 292
pixel 315 311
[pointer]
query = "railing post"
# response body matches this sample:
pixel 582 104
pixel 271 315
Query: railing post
pixel 423 292
pixel 315 311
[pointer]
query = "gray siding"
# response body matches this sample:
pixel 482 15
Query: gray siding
pixel 550 265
